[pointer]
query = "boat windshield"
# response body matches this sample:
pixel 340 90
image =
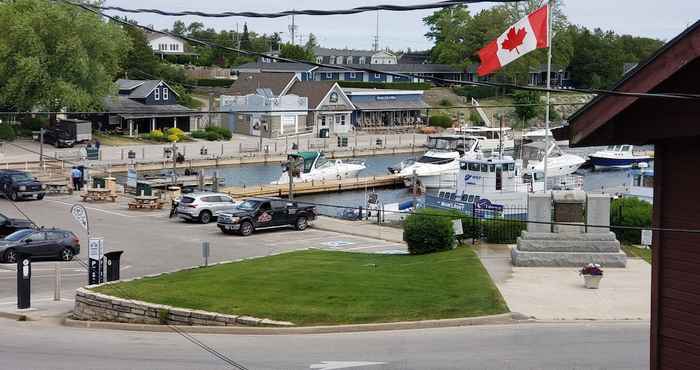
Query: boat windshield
pixel 462 144
pixel 532 153
pixel 439 143
pixel 322 162
pixel 434 160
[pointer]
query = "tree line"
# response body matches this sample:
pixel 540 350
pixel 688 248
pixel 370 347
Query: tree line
pixel 594 58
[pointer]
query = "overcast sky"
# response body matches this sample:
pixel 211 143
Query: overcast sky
pixel 652 18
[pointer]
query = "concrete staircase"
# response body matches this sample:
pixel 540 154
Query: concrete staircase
pixel 567 250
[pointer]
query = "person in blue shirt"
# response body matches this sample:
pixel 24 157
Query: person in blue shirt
pixel 77 178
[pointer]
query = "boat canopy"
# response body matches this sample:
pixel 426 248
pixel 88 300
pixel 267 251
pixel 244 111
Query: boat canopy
pixel 309 159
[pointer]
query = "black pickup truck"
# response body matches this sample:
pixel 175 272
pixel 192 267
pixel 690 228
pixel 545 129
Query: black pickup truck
pixel 258 213
pixel 10 225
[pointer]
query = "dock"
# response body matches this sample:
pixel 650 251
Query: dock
pixel 315 187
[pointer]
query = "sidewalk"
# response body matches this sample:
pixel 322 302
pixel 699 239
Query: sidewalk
pixel 42 308
pixel 553 293
pixel 238 146
pixel 359 228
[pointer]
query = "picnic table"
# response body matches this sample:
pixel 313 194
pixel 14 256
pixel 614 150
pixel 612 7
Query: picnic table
pixel 58 187
pixel 98 194
pixel 146 202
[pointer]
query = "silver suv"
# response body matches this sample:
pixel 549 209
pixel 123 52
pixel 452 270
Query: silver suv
pixel 203 207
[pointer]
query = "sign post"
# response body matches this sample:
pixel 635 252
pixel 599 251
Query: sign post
pixel 95 254
pixel 205 253
pixel 646 238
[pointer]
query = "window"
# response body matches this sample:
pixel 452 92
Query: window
pixel 329 76
pixel 156 94
pixel 331 60
pixel 377 76
pixel 340 118
pixel 38 236
pixel 177 47
pixel 484 168
pixel 323 120
pixel 470 199
pixel 339 60
pixel 474 166
pixel 265 206
pixel 363 60
pixel 55 235
pixel 278 204
pixel 492 168
pixel 319 60
pixel 353 75
pixel 165 93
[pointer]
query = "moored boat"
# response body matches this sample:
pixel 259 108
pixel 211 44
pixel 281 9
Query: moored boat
pixel 618 156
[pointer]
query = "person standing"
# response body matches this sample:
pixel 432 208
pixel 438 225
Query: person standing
pixel 77 178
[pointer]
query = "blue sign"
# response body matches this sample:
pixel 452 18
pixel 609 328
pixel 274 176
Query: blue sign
pixel 487 205
pixel 474 179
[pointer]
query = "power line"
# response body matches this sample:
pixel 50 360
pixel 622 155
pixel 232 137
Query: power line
pixel 314 12
pixel 682 96
pixel 146 111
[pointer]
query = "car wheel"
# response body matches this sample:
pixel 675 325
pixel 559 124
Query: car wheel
pixel 40 197
pixel 14 196
pixel 10 256
pixel 205 217
pixel 302 223
pixel 246 228
pixel 66 254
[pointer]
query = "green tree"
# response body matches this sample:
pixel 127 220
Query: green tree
pixel 179 28
pixel 295 52
pixel 57 56
pixel 524 111
pixel 311 44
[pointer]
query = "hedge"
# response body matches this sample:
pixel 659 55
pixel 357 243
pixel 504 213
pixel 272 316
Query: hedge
pixel 477 92
pixel 440 120
pixel 496 231
pixel 386 85
pixel 430 230
pixel 214 82
pixel 7 132
pixel 222 132
pixel 630 212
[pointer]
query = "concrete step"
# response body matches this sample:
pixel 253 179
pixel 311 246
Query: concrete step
pixel 603 236
pixel 566 259
pixel 583 246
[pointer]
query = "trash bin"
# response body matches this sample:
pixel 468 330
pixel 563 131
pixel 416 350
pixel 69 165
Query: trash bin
pixel 143 189
pixel 111 184
pixel 113 265
pixel 99 182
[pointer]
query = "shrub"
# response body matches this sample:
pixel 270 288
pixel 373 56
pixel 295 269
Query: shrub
pixel 477 92
pixel 440 120
pixel 502 231
pixel 430 230
pixel 214 82
pixel 199 134
pixel 222 132
pixel 212 136
pixel 7 132
pixel 155 135
pixel 177 133
pixel 445 103
pixel 630 212
pixel 34 123
pixel 173 138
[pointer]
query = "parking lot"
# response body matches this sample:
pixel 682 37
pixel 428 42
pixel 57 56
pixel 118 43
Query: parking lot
pixel 153 243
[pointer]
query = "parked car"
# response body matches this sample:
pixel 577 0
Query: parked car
pixel 18 185
pixel 258 213
pixel 58 138
pixel 10 225
pixel 203 207
pixel 40 243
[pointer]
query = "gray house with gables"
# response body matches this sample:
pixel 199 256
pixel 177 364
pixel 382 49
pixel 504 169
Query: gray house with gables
pixel 142 106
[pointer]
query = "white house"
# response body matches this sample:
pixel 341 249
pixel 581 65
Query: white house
pixel 383 57
pixel 163 44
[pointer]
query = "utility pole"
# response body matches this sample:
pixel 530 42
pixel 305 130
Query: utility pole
pixel 291 168
pixel 41 148
pixel 292 30
pixel 174 163
pixel 375 42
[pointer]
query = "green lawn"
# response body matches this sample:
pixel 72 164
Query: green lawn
pixel 631 251
pixel 323 287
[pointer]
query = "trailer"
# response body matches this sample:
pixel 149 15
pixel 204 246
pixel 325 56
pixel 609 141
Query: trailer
pixel 77 129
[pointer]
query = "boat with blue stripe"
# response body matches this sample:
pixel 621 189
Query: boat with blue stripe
pixel 618 156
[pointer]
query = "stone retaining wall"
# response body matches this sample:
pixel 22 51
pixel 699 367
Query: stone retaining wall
pixel 94 306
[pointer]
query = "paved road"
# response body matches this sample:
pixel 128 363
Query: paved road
pixel 153 243
pixel 527 346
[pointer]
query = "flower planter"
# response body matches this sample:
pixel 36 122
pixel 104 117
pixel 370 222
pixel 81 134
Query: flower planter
pixel 592 281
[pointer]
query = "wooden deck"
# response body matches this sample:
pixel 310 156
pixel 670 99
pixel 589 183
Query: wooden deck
pixel 315 187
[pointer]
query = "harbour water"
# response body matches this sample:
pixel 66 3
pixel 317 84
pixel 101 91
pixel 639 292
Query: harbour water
pixel 594 181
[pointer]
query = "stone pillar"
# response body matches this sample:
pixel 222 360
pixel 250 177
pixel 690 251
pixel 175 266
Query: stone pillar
pixel 598 213
pixel 175 122
pixel 153 124
pixel 539 209
pixel 131 127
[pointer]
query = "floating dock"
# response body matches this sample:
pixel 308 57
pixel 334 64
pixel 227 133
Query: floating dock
pixel 315 187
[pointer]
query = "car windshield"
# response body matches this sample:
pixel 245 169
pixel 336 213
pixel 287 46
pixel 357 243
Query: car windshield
pixel 249 205
pixel 21 177
pixel 18 235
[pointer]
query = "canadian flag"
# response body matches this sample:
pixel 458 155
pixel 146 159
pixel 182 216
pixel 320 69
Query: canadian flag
pixel 528 34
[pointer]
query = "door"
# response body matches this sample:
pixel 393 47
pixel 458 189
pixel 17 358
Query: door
pixel 224 203
pixel 280 214
pixel 54 242
pixel 263 217
pixel 499 177
pixel 37 245
pixel 5 184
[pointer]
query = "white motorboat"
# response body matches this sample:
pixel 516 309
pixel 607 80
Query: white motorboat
pixel 494 188
pixel 558 163
pixel 316 167
pixel 618 156
pixel 541 135
pixel 492 138
pixel 438 167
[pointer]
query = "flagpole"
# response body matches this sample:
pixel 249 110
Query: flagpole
pixel 549 86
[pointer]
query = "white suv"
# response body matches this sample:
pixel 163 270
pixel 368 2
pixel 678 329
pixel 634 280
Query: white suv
pixel 203 207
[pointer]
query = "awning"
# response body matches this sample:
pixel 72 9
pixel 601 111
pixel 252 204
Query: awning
pixel 391 105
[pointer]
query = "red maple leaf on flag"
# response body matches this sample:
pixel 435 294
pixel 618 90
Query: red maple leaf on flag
pixel 514 39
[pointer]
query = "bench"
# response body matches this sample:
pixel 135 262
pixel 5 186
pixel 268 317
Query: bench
pixel 58 188
pixel 98 195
